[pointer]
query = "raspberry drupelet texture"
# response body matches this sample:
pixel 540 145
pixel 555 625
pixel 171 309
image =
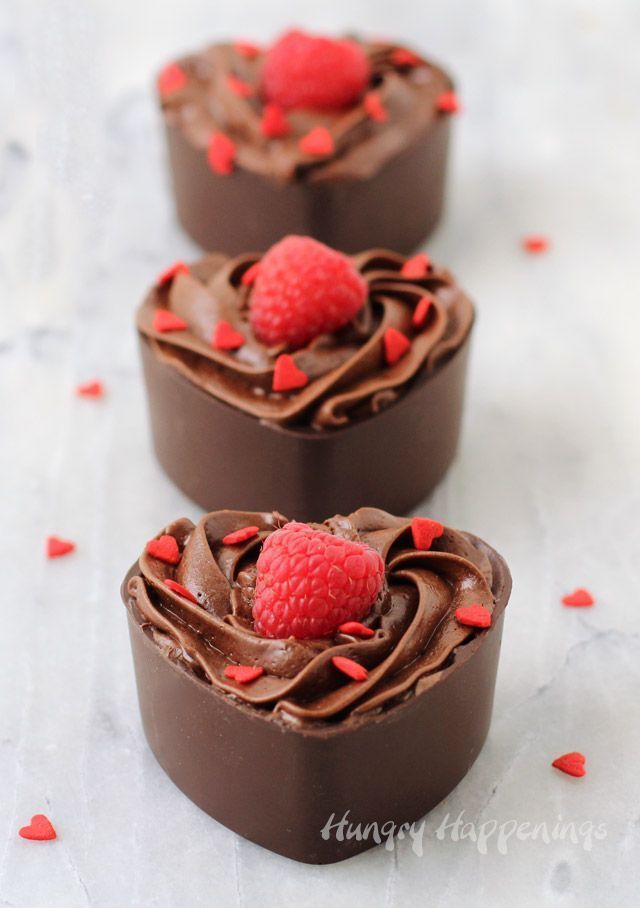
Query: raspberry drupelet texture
pixel 310 582
pixel 303 289
pixel 306 71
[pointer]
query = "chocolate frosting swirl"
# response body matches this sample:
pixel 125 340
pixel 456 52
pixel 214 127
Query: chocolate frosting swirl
pixel 416 634
pixel 349 378
pixel 362 146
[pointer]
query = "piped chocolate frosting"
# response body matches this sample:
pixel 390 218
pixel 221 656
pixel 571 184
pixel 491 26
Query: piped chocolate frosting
pixel 416 634
pixel 207 101
pixel 348 376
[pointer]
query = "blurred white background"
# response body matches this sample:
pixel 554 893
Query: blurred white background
pixel 548 470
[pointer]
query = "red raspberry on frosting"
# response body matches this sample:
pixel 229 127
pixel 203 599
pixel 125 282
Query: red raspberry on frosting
pixel 306 71
pixel 303 289
pixel 310 582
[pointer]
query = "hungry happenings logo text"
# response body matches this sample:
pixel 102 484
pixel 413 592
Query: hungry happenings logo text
pixel 489 833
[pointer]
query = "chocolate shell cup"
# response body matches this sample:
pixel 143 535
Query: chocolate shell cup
pixel 221 456
pixel 304 453
pixel 287 784
pixel 382 185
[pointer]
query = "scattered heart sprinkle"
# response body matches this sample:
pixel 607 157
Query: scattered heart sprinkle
pixel 356 629
pixel 318 142
pixel 240 535
pixel 448 103
pixel 221 154
pixel 571 763
pixel 93 388
pixel 165 548
pixel 243 674
pixel 225 337
pixel 396 344
pixel 39 830
pixel 171 79
pixel 424 531
pixel 181 590
pixel 166 276
pixel 475 615
pixel 417 266
pixel 535 243
pixel 350 668
pixel 57 547
pixel 580 597
pixel 374 108
pixel 164 320
pixel 287 376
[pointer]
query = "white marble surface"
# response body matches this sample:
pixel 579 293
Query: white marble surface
pixel 548 470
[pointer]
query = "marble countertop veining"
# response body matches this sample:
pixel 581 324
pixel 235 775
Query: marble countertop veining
pixel 548 469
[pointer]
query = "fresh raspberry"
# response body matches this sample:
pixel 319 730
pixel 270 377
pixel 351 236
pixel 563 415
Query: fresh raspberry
pixel 302 70
pixel 303 289
pixel 310 582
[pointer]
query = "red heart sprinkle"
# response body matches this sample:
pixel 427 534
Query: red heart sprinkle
pixel 350 668
pixel 473 615
pixel 240 535
pixel 579 597
pixel 246 49
pixel 243 674
pixel 250 275
pixel 226 338
pixel 402 56
pixel 424 531
pixel 421 311
pixel 535 243
pixel 417 266
pixel 171 272
pixel 374 107
pixel 274 123
pixel 181 590
pixel 239 87
pixel 221 153
pixel 356 629
pixel 163 320
pixel 287 376
pixel 39 830
pixel 396 344
pixel 93 388
pixel 572 764
pixel 447 102
pixel 165 548
pixel 318 142
pixel 171 79
pixel 57 547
